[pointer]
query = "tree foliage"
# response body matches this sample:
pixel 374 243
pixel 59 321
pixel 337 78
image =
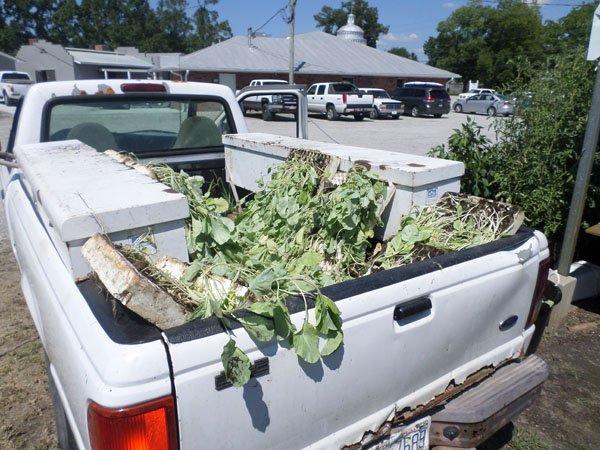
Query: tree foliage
pixel 402 51
pixel 571 31
pixel 170 27
pixel 534 162
pixel 483 42
pixel 365 16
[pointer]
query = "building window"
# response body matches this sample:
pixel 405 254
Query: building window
pixel 45 75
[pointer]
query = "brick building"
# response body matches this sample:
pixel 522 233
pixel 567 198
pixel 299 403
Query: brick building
pixel 318 57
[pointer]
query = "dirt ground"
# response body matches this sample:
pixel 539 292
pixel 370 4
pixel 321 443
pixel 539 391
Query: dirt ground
pixel 566 417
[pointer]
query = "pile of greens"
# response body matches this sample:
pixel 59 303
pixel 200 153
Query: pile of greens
pixel 297 234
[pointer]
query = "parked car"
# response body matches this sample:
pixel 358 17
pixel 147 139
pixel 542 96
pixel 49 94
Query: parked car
pixel 472 92
pixel 423 98
pixel 269 105
pixel 383 104
pixel 490 104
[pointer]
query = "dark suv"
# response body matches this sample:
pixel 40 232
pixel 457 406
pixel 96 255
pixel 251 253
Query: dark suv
pixel 423 98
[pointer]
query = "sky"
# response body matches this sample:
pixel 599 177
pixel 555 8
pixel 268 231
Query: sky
pixel 411 22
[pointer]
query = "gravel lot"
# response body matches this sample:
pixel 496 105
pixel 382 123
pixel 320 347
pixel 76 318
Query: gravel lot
pixel 405 135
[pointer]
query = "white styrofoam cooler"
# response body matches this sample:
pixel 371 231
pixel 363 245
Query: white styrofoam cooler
pixel 418 180
pixel 79 191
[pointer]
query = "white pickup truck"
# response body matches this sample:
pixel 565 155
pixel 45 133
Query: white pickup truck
pixel 269 104
pixel 435 353
pixel 339 99
pixel 14 85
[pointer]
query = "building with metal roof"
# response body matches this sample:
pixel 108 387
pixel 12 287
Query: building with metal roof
pixel 7 62
pixel 45 61
pixel 319 57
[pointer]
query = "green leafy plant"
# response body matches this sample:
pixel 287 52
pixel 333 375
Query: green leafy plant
pixel 297 234
pixel 534 161
pixel 477 151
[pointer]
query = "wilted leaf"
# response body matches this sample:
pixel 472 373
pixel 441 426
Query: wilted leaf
pixel 262 284
pixel 236 364
pixel 259 327
pixel 333 342
pixel 262 308
pixel 306 343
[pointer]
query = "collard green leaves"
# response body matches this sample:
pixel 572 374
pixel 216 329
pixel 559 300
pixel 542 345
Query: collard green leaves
pixel 236 364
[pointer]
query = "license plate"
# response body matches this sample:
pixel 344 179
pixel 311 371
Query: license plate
pixel 394 112
pixel 411 437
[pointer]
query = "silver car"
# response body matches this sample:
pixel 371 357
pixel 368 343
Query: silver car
pixel 490 104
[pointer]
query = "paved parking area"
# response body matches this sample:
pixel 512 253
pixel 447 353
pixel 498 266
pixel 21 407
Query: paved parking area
pixel 405 135
pixel 411 135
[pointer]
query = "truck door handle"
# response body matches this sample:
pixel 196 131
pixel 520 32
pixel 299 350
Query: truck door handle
pixel 411 308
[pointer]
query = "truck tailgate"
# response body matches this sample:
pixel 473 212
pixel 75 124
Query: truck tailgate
pixel 385 365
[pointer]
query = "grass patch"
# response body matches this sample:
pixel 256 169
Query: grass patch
pixel 524 440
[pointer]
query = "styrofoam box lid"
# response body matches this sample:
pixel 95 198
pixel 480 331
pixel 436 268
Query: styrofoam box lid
pixel 400 168
pixel 80 189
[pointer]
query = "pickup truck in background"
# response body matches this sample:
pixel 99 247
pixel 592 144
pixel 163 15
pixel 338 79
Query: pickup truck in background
pixel 383 104
pixel 270 104
pixel 339 99
pixel 14 85
pixel 435 353
pixel 472 92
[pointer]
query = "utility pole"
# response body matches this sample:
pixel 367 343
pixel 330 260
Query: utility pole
pixel 292 20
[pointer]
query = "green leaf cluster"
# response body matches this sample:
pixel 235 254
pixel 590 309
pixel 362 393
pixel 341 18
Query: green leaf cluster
pixel 297 234
pixel 534 161
pixel 290 238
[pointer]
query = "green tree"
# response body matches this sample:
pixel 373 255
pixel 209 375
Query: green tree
pixel 116 23
pixel 571 30
pixel 402 51
pixel 21 20
pixel 534 162
pixel 365 16
pixel 208 28
pixel 174 27
pixel 64 27
pixel 481 42
pixel 460 41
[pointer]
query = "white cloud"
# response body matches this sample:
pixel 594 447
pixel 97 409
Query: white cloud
pixel 392 38
pixel 450 5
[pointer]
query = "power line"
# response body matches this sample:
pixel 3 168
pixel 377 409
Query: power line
pixel 279 11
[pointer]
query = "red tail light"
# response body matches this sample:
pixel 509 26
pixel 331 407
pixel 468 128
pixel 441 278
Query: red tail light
pixel 344 98
pixel 150 426
pixel 143 87
pixel 429 99
pixel 538 292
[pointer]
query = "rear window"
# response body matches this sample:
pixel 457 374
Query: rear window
pixel 139 125
pixel 15 76
pixel 265 83
pixel 342 88
pixel 439 93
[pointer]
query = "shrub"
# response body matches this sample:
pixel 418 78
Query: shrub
pixel 533 164
pixel 477 152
